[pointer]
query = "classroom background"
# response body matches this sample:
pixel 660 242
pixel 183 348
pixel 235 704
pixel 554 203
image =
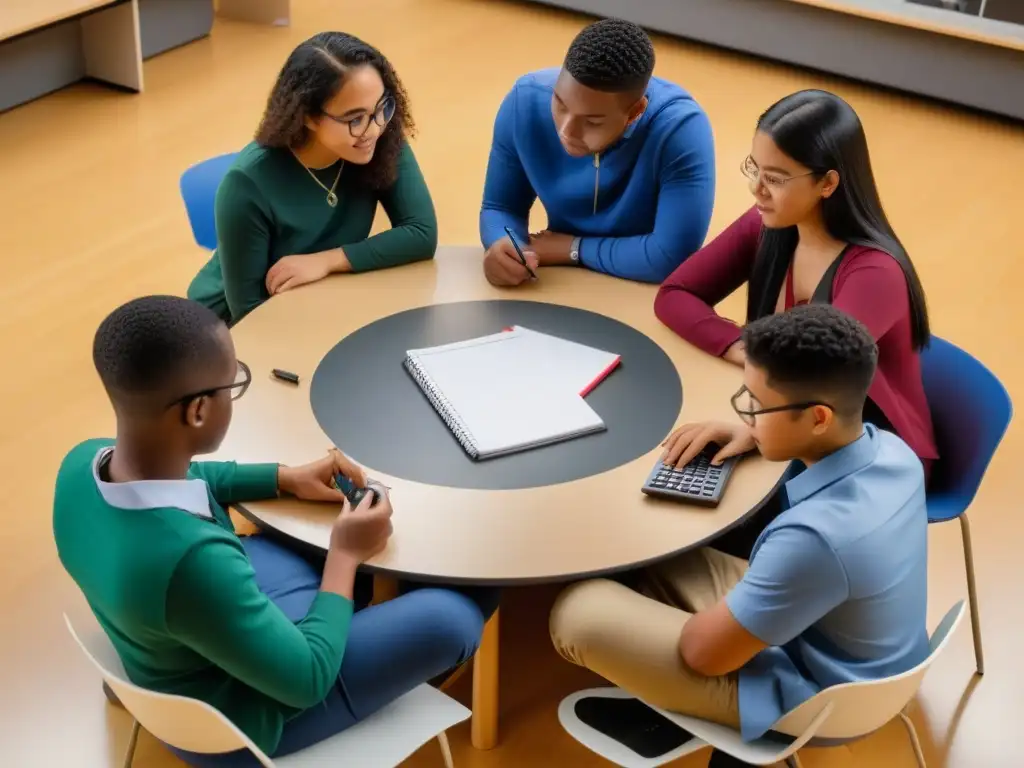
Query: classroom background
pixel 91 216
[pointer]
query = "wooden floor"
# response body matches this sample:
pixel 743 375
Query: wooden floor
pixel 90 216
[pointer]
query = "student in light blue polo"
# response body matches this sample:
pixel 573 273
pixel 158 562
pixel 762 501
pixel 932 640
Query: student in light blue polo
pixel 835 588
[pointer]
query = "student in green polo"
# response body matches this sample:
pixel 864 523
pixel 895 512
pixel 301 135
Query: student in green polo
pixel 299 202
pixel 277 642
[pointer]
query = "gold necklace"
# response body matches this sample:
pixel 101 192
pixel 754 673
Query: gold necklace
pixel 332 198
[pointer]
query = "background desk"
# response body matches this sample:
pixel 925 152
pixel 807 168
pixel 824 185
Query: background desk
pixel 970 60
pixel 598 524
pixel 46 45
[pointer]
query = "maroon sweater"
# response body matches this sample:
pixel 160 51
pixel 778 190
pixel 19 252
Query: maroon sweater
pixel 869 285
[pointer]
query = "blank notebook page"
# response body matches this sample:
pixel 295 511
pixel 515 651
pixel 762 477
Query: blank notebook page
pixel 494 388
pixel 579 366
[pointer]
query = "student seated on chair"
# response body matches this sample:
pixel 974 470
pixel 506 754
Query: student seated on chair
pixel 835 589
pixel 817 232
pixel 277 642
pixel 623 163
pixel 299 202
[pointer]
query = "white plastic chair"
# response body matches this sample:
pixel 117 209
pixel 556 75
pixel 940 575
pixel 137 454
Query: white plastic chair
pixel 837 715
pixel 383 740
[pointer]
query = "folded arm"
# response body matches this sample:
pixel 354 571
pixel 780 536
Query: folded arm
pixel 686 300
pixel 413 233
pixel 215 607
pixel 686 197
pixel 508 194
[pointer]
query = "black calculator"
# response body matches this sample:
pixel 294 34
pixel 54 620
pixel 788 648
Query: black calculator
pixel 697 483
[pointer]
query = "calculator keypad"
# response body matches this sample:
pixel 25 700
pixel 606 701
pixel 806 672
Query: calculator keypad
pixel 698 481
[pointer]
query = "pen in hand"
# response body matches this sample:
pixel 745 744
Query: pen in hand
pixel 519 252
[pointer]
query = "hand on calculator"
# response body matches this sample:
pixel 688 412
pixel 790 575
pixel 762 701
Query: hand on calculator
pixel 685 443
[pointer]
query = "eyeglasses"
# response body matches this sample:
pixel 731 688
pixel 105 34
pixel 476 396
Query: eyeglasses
pixel 381 115
pixel 237 388
pixel 745 405
pixel 771 180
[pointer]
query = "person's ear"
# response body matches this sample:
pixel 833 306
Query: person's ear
pixel 197 411
pixel 636 110
pixel 822 419
pixel 311 123
pixel 829 184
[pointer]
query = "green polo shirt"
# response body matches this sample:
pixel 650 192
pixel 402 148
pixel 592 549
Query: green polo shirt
pixel 268 207
pixel 170 583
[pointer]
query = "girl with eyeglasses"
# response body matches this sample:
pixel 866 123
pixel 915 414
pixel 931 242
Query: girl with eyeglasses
pixel 299 202
pixel 817 233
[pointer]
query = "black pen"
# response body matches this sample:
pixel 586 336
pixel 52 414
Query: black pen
pixel 519 251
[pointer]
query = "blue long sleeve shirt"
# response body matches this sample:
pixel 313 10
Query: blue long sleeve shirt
pixel 641 207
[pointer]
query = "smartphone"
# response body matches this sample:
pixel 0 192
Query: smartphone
pixel 633 724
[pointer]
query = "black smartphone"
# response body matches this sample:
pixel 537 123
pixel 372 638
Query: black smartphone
pixel 633 724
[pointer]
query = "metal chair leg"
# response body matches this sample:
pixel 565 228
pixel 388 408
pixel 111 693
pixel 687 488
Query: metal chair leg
pixel 972 593
pixel 446 750
pixel 912 732
pixel 133 740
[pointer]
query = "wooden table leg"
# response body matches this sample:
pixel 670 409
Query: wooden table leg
pixel 485 688
pixel 384 588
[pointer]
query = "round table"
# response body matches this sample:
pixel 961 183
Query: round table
pixel 599 524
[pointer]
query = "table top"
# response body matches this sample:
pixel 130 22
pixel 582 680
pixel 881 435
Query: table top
pixel 19 16
pixel 596 525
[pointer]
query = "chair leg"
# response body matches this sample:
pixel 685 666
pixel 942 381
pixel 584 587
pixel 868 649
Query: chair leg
pixel 446 750
pixel 793 761
pixel 912 732
pixel 129 755
pixel 972 593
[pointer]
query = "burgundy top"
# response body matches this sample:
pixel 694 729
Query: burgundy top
pixel 869 285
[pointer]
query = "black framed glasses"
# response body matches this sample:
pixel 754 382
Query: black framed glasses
pixel 747 406
pixel 237 388
pixel 771 180
pixel 359 125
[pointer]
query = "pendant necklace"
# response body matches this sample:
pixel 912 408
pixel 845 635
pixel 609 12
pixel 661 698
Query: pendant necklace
pixel 332 198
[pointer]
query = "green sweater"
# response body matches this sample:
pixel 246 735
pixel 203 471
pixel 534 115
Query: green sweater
pixel 174 590
pixel 268 207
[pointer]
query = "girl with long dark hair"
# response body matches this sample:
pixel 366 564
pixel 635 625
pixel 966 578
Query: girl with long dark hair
pixel 299 202
pixel 817 232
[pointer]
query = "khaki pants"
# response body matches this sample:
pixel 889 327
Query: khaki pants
pixel 632 639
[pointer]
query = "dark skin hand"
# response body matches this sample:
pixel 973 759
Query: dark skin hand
pixel 502 266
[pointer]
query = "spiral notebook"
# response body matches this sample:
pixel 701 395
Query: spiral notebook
pixel 511 391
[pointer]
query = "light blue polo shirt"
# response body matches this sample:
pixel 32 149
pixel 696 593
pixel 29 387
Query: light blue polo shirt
pixel 837 584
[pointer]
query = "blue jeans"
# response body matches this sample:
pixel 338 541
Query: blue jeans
pixel 392 647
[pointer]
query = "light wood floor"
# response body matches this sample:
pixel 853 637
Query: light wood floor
pixel 90 216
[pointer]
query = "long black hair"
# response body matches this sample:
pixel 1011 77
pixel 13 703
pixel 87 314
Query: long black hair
pixel 312 75
pixel 822 132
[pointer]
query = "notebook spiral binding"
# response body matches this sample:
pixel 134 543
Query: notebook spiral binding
pixel 443 407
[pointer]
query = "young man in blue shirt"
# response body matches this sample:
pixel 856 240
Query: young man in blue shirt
pixel 623 162
pixel 835 588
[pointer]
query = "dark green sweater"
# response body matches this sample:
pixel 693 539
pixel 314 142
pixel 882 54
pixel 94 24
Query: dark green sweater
pixel 177 595
pixel 268 207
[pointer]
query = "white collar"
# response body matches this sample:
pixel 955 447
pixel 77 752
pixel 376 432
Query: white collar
pixel 188 495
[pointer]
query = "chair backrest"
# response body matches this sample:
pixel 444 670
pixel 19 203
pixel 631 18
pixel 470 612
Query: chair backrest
pixel 176 720
pixel 199 190
pixel 971 411
pixel 862 707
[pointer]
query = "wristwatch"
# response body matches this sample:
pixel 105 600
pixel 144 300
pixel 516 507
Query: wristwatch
pixel 574 252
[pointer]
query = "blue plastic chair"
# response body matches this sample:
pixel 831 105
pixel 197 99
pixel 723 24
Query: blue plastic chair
pixel 971 411
pixel 199 190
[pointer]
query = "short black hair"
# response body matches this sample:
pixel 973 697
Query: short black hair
pixel 816 352
pixel 611 55
pixel 148 345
